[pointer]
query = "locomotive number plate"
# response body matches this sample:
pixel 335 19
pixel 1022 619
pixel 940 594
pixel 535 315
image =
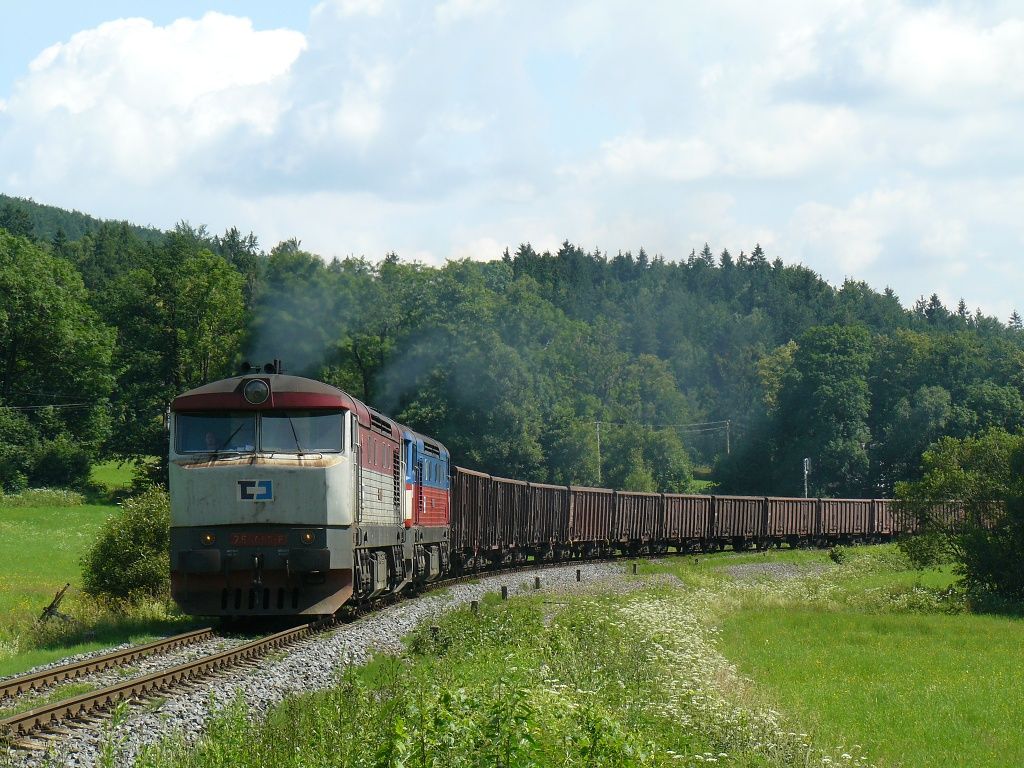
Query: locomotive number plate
pixel 259 539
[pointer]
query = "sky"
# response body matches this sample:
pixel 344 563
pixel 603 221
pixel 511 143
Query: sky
pixel 879 141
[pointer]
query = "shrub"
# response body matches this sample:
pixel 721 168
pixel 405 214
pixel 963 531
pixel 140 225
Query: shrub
pixel 131 557
pixel 926 549
pixel 18 440
pixel 61 463
pixel 985 474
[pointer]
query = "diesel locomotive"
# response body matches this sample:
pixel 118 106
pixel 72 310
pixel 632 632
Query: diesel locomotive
pixel 291 497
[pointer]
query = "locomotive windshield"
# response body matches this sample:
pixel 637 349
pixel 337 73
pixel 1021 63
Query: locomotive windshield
pixel 302 431
pixel 215 432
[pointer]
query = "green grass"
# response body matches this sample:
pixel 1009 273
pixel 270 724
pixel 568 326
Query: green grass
pixel 878 663
pixel 613 681
pixel 913 690
pixel 112 475
pixel 40 548
pixel 39 552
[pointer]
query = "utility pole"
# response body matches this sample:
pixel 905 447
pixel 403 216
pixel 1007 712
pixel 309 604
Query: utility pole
pixel 807 471
pixel 598 423
pixel 728 425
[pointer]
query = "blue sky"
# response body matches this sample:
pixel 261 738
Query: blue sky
pixel 873 140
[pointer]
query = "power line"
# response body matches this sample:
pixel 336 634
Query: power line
pixel 659 426
pixel 50 405
pixel 693 428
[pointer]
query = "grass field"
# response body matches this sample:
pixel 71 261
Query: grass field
pixel 40 549
pixel 912 690
pixel 874 654
pixel 617 680
pixel 112 475
pixel 856 663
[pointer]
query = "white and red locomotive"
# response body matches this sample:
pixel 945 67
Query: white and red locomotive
pixel 289 496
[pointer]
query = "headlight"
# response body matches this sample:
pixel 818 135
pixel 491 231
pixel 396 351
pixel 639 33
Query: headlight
pixel 308 537
pixel 208 538
pixel 256 391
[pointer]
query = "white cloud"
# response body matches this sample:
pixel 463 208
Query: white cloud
pixel 864 138
pixel 451 11
pixel 936 56
pixel 139 99
pixel 673 159
pixel 481 248
pixel 351 7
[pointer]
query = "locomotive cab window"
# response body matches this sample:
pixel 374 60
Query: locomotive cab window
pixel 215 432
pixel 302 431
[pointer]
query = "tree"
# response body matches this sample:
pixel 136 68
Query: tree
pixel 16 221
pixel 210 332
pixel 985 474
pixel 823 411
pixel 242 252
pixel 54 349
pixel 914 424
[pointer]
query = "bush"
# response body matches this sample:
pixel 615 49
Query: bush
pixel 61 463
pixel 131 557
pixel 18 440
pixel 926 549
pixel 985 475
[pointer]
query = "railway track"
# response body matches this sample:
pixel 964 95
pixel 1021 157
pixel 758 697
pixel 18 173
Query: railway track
pixel 31 729
pixel 38 681
pixel 35 728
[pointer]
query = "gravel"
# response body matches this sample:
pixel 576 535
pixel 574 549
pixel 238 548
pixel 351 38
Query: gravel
pixel 752 571
pixel 308 666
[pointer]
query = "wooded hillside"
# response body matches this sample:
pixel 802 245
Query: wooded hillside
pixel 510 362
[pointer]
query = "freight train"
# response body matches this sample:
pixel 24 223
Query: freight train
pixel 291 497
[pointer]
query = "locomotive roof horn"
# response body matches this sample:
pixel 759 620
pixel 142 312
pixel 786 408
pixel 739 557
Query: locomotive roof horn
pixel 273 367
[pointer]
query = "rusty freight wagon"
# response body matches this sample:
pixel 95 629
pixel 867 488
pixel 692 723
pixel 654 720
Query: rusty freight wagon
pixel 638 519
pixel 687 520
pixel 790 520
pixel 591 519
pixel 549 516
pixel 512 510
pixel 738 520
pixel 473 521
pixel 845 520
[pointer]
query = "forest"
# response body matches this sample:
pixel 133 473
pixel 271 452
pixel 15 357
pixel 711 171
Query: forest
pixel 625 370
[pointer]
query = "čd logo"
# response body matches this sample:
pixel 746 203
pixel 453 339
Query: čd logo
pixel 255 490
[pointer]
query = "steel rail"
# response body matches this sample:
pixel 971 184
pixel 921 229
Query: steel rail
pixel 51 715
pixel 35 681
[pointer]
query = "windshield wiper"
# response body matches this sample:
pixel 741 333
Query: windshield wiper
pixel 229 439
pixel 295 435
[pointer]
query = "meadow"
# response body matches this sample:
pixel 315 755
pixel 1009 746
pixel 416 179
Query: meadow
pixel 781 659
pixel 43 535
